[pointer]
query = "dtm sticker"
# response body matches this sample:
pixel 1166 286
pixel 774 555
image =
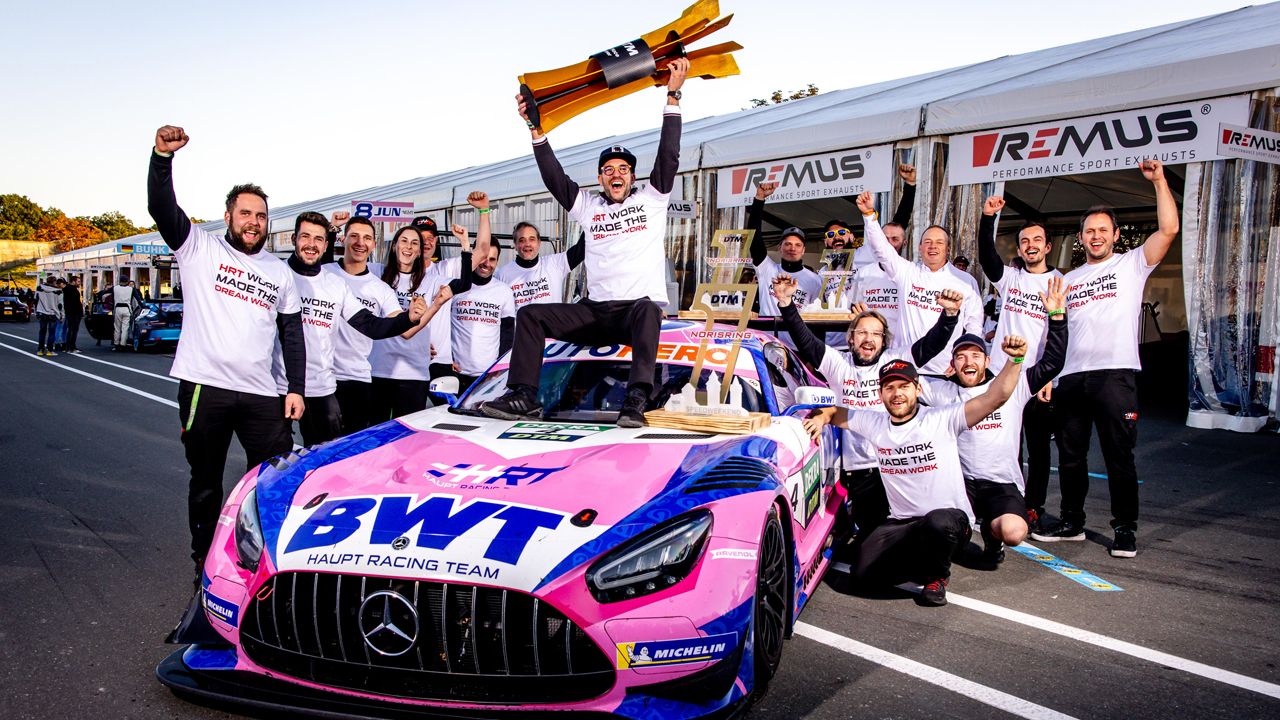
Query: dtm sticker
pixel 804 491
pixel 227 612
pixel 479 477
pixel 551 432
pixel 656 653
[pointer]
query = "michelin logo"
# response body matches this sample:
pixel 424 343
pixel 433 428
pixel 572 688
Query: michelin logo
pixel 220 609
pixel 658 653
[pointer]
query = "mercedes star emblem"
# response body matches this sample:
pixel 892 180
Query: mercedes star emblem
pixel 389 623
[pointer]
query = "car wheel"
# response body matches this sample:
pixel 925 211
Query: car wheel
pixel 769 611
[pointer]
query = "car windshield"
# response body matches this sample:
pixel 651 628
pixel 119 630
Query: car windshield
pixel 593 390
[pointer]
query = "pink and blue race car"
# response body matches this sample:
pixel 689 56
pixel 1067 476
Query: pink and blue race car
pixel 454 565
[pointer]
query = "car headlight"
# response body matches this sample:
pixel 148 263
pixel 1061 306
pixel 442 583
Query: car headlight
pixel 652 561
pixel 249 532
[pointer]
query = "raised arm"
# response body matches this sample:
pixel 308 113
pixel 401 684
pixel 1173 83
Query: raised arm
pixel 667 162
pixel 755 221
pixel 895 266
pixel 1157 245
pixel 564 190
pixel 577 252
pixel 443 294
pixel 1000 389
pixel 935 341
pixel 906 203
pixel 172 223
pixel 809 346
pixel 1055 346
pixel 988 256
pixel 480 201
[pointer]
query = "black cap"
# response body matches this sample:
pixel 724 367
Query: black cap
pixel 793 231
pixel 967 340
pixel 617 152
pixel 898 370
pixel 960 259
pixel 424 222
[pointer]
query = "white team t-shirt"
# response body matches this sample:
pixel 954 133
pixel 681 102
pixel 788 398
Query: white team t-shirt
pixel 875 289
pixel 477 325
pixel 351 348
pixel 989 450
pixel 919 460
pixel 919 288
pixel 400 359
pixel 231 301
pixel 858 388
pixel 625 254
pixel 542 283
pixel 1104 313
pixel 1022 313
pixel 808 286
pixel 327 304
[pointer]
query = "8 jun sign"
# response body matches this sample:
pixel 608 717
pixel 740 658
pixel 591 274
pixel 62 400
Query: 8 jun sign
pixel 1173 134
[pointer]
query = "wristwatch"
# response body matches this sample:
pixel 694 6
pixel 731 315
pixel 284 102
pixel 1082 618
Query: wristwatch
pixel 675 94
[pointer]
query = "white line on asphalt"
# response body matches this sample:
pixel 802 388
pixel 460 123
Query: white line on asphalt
pixel 1162 658
pixel 91 376
pixel 82 356
pixel 983 694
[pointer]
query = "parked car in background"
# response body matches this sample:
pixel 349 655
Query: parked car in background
pixel 156 323
pixel 13 310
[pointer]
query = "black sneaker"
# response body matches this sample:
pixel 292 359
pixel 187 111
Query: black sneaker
pixel 992 551
pixel 1125 544
pixel 1065 532
pixel 933 594
pixel 515 405
pixel 1033 520
pixel 632 415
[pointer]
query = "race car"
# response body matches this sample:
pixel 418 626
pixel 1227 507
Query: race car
pixel 13 309
pixel 452 564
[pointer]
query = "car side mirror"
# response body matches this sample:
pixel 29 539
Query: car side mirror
pixel 446 388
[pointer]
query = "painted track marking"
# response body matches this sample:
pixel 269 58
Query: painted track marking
pixel 1064 568
pixel 82 356
pixel 983 694
pixel 91 376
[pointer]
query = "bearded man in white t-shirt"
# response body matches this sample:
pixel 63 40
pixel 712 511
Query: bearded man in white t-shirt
pixel 239 299
pixel 929 512
pixel 535 278
pixel 1022 313
pixel 1099 382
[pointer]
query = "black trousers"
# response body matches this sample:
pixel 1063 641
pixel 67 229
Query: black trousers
pixel 1107 400
pixel 73 330
pixel 322 420
pixel 869 504
pixel 631 322
pixel 209 416
pixel 915 550
pixel 355 403
pixel 1038 423
pixel 396 398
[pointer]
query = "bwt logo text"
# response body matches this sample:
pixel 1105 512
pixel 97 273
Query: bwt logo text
pixel 1170 127
pixel 798 174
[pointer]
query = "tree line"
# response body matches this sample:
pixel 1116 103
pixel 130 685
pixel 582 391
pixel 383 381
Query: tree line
pixel 23 219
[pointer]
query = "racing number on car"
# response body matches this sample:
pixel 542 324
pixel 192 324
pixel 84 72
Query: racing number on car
pixel 804 490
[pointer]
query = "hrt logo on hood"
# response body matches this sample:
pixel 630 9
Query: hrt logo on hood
pixel 440 520
pixel 1173 126
pixel 796 174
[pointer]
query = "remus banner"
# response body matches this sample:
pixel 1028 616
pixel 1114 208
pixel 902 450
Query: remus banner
pixel 1173 134
pixel 836 174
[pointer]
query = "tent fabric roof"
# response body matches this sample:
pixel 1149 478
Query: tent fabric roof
pixel 1222 54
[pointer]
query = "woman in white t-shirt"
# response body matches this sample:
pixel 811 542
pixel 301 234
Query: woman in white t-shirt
pixel 399 366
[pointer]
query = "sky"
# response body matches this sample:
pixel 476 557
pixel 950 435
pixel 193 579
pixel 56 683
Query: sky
pixel 311 99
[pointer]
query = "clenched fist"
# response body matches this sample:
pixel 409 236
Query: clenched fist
pixel 866 203
pixel 417 308
pixel 992 205
pixel 1014 346
pixel 478 199
pixel 170 139
pixel 950 301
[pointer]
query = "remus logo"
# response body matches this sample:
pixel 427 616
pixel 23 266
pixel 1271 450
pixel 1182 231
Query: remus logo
pixel 797 174
pixel 1249 140
pixel 1174 126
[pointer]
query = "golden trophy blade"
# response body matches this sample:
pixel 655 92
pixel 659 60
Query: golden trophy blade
pixel 554 96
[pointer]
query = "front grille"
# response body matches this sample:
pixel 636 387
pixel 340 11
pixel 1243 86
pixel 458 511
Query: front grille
pixel 474 644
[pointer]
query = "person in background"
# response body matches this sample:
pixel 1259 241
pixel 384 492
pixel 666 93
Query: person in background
pixel 48 312
pixel 73 307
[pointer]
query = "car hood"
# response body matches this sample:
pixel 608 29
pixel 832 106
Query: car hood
pixel 449 497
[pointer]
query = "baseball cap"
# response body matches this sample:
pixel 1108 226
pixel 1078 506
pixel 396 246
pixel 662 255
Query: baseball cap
pixel 424 222
pixel 967 340
pixel 898 370
pixel 617 152
pixel 793 231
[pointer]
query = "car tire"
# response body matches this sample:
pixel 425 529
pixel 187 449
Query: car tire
pixel 769 611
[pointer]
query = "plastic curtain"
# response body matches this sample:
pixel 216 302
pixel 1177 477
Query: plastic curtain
pixel 1231 252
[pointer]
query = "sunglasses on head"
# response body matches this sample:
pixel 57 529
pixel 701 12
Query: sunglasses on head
pixel 841 233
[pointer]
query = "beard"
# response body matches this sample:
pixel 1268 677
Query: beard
pixel 236 238
pixel 901 413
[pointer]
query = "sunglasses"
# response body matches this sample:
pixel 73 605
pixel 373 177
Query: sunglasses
pixel 838 233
